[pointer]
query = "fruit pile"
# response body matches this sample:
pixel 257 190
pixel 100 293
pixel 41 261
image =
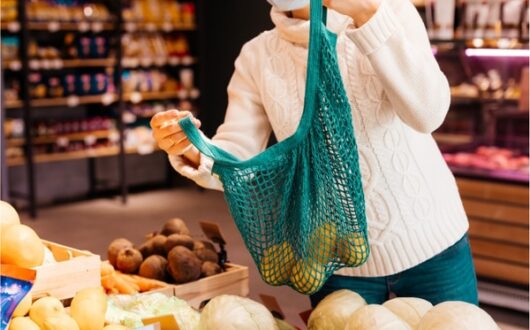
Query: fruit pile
pixel 171 256
pixel 20 245
pixel 489 158
pixel 86 312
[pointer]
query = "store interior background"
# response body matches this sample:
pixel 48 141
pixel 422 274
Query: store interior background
pixel 81 202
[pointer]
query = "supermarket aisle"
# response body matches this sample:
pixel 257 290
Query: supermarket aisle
pixel 92 225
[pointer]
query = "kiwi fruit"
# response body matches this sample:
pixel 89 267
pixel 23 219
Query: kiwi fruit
pixel 207 255
pixel 175 226
pixel 210 268
pixel 154 267
pixel 115 247
pixel 129 260
pixel 183 265
pixel 178 239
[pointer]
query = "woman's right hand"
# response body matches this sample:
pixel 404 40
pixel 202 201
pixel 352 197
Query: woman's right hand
pixel 170 137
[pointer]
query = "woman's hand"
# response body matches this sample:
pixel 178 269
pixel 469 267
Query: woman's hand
pixel 359 10
pixel 170 137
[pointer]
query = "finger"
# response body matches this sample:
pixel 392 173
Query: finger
pixel 165 144
pixel 179 148
pixel 177 137
pixel 160 118
pixel 166 131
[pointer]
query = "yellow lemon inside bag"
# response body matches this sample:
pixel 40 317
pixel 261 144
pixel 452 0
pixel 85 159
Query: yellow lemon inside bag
pixel 308 276
pixel 323 243
pixel 276 263
pixel 352 249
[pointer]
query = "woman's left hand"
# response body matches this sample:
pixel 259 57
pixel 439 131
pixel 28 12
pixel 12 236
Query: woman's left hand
pixel 359 10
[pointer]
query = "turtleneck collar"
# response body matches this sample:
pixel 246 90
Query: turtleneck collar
pixel 297 30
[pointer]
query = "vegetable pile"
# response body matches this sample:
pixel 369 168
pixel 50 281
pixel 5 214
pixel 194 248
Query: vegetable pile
pixel 171 256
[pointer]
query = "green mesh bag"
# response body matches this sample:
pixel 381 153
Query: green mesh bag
pixel 299 205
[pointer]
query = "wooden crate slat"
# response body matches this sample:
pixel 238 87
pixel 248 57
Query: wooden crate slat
pixel 501 271
pixel 498 232
pixel 233 281
pixel 501 251
pixel 493 191
pixel 496 211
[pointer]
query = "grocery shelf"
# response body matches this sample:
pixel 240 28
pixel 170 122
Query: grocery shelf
pixel 70 101
pixel 53 26
pixel 99 134
pixel 73 155
pixel 13 65
pixel 472 43
pixel 492 175
pixel 137 97
pixel 447 138
pixel 131 26
pixel 13 104
pixel 144 62
pixel 10 26
pixel 57 64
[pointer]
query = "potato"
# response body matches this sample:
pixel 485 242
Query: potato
pixel 209 268
pixel 198 244
pixel 207 255
pixel 175 226
pixel 129 260
pixel 183 264
pixel 154 267
pixel 115 247
pixel 178 239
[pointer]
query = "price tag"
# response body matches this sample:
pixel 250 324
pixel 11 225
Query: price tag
pixel 146 61
pixel 130 26
pixel 136 97
pixel 195 93
pixel 13 26
pixel 150 27
pixel 212 231
pixel 46 64
pixel 97 27
pixel 182 94
pixel 57 63
pixel 62 141
pixel 145 149
pixel 83 26
pixel 90 140
pixel 160 61
pixel 174 60
pixel 107 98
pixel 187 60
pixel 34 64
pixel 167 27
pixel 15 65
pixel 72 101
pixel 54 26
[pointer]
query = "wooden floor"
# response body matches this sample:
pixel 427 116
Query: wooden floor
pixel 93 224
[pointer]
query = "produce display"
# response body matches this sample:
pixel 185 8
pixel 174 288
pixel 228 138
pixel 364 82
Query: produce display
pixel 170 256
pixel 346 310
pixel 490 158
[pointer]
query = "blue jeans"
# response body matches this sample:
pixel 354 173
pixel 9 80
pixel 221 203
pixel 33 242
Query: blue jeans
pixel 449 275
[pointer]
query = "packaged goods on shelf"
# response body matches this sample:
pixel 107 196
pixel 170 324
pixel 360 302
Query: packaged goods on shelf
pixel 160 10
pixel 148 49
pixel 79 83
pixel 490 158
pixel 67 11
pixel 10 48
pixel 8 11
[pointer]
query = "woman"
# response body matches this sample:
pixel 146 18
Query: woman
pixel 416 223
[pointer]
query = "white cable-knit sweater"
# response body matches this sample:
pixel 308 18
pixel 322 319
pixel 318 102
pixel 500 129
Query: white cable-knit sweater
pixel 398 96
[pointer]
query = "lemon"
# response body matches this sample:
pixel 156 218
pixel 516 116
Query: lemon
pixel 352 249
pixel 276 263
pixel 308 276
pixel 323 243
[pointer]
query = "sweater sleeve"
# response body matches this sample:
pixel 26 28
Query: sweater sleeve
pixel 246 129
pixel 396 44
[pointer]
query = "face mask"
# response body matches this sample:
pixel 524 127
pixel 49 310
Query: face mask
pixel 288 5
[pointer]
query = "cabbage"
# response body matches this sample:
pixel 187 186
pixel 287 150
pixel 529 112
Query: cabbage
pixel 409 309
pixel 334 311
pixel 129 310
pixel 457 315
pixel 229 312
pixel 375 317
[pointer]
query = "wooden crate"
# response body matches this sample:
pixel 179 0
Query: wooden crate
pixel 233 281
pixel 498 228
pixel 74 270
